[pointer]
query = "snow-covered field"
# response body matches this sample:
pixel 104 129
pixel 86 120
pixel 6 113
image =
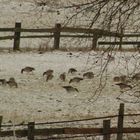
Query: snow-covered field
pixel 38 100
pixel 41 101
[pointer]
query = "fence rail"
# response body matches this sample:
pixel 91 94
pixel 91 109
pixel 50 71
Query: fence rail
pixel 118 43
pixel 30 132
pixel 57 31
pixel 67 131
pixel 78 120
pixel 63 29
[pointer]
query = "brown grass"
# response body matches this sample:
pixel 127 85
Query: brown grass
pixel 43 49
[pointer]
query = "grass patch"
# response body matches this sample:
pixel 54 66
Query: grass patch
pixel 43 49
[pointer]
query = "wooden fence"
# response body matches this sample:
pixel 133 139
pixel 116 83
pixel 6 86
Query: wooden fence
pixel 56 133
pixel 57 31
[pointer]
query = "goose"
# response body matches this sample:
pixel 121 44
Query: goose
pixel 72 70
pixel 3 81
pixel 63 76
pixel 49 77
pixel 136 77
pixel 27 69
pixel 12 82
pixel 122 78
pixel 88 75
pixel 116 79
pixel 75 79
pixel 11 79
pixel 70 89
pixel 123 86
pixel 48 72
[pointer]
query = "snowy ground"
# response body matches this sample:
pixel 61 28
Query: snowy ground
pixel 41 101
pixel 38 100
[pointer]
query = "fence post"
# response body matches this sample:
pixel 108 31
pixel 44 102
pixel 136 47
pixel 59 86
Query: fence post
pixel 31 127
pixel 0 122
pixel 94 42
pixel 17 37
pixel 138 48
pixel 106 130
pixel 57 36
pixel 120 122
pixel 121 39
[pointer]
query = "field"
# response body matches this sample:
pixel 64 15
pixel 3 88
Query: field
pixel 38 100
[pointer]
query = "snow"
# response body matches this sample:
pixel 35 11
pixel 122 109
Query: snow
pixel 41 101
pixel 38 100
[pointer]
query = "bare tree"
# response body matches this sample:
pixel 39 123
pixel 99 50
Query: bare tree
pixel 111 15
pixel 106 14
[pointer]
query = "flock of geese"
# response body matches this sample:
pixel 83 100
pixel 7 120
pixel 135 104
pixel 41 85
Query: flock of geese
pixel 122 81
pixel 49 76
pixel 125 82
pixel 11 82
